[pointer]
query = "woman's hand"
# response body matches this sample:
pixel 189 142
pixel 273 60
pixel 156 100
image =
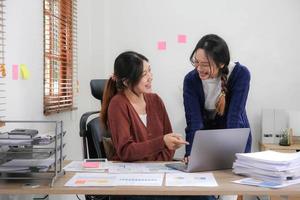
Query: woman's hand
pixel 174 141
pixel 186 159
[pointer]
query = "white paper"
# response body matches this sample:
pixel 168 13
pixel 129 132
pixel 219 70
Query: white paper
pixel 191 179
pixel 241 168
pixel 76 166
pixel 260 183
pixel 29 163
pixel 92 179
pixel 265 166
pixel 269 166
pixel 271 157
pixel 106 179
pixel 16 141
pixel 139 168
pixel 140 179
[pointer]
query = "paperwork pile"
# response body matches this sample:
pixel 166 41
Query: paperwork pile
pixel 269 166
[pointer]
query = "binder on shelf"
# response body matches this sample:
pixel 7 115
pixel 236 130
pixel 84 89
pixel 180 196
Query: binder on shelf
pixel 281 124
pixel 294 121
pixel 268 126
pixel 274 122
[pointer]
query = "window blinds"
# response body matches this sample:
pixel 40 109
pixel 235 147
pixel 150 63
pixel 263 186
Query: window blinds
pixel 2 64
pixel 60 55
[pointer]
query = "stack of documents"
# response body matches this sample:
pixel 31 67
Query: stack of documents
pixel 270 166
pixel 26 165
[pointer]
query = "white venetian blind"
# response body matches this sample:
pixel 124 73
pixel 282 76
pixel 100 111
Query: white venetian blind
pixel 2 63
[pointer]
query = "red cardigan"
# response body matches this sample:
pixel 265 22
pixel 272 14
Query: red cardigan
pixel 131 139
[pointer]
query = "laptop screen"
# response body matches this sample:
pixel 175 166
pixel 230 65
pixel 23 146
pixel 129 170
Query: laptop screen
pixel 216 149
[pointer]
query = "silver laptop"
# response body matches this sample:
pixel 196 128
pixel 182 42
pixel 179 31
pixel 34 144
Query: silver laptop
pixel 214 149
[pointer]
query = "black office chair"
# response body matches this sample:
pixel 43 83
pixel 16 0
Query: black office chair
pixel 92 132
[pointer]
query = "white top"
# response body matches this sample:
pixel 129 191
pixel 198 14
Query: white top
pixel 144 119
pixel 212 89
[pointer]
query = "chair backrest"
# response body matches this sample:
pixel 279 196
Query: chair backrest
pixel 92 132
pixel 95 135
pixel 97 88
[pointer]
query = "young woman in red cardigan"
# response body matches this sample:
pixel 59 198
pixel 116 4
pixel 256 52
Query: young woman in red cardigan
pixel 137 119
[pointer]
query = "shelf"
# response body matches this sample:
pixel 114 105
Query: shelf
pixel 40 157
pixel 277 147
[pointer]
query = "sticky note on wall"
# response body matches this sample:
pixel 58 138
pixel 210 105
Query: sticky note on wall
pixel 161 45
pixel 24 72
pixel 15 72
pixel 181 38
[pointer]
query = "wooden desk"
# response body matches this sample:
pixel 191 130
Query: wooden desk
pixel 224 178
pixel 277 147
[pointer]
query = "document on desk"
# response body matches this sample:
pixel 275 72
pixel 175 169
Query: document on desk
pixel 145 167
pixel 106 179
pixel 261 183
pixel 92 179
pixel 76 166
pixel 191 179
pixel 140 179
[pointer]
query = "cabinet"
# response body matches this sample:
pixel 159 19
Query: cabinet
pixel 277 147
pixel 33 157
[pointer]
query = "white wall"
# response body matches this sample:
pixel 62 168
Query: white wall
pixel 263 35
pixel 24 44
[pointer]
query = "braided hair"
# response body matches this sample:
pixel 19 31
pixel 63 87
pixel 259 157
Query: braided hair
pixel 216 49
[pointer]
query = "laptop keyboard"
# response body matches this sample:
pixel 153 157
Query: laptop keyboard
pixel 178 166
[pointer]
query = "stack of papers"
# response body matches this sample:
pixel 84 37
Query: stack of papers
pixel 269 166
pixel 26 165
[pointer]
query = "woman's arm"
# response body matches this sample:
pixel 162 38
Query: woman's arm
pixel 192 106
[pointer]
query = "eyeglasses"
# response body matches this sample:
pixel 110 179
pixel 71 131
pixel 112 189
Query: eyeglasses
pixel 196 64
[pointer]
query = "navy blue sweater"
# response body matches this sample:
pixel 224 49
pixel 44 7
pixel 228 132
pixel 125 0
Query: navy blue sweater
pixel 235 112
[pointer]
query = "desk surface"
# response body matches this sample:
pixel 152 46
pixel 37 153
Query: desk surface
pixel 223 177
pixel 291 148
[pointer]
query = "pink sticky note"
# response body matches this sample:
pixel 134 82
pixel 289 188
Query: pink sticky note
pixel 181 38
pixel 161 45
pixel 91 164
pixel 15 72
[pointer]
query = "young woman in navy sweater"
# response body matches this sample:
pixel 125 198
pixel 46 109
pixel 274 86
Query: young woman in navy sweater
pixel 215 91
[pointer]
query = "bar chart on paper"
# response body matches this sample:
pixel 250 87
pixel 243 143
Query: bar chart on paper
pixel 140 179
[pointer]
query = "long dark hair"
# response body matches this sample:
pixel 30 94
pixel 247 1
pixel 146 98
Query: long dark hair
pixel 128 71
pixel 216 49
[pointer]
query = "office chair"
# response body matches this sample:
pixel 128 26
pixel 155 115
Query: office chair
pixel 92 132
